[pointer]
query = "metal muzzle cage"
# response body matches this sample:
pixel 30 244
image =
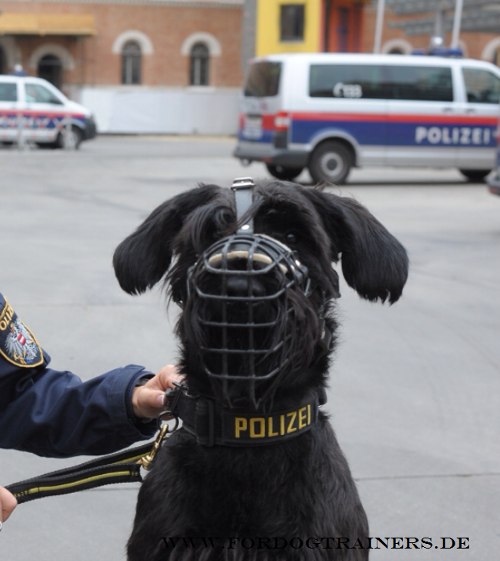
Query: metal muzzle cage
pixel 240 293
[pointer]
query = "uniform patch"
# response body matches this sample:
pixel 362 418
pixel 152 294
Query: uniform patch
pixel 17 344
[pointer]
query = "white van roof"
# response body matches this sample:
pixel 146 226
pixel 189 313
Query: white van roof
pixel 369 58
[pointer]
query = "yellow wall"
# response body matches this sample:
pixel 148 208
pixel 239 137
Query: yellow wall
pixel 268 28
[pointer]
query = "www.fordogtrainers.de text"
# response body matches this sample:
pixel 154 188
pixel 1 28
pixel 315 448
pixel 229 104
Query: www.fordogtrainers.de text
pixel 297 543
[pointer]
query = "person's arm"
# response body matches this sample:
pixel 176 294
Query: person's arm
pixel 53 413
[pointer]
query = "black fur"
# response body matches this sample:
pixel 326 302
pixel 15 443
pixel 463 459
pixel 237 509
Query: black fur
pixel 301 488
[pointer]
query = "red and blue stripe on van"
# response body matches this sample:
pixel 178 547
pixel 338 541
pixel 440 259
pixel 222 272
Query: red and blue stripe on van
pixel 370 128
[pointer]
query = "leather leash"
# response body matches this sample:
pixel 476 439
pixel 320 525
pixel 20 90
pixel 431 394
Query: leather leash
pixel 120 467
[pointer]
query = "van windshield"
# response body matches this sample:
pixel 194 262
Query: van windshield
pixel 263 79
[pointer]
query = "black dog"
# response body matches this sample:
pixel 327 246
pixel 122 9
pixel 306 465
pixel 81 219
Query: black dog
pixel 256 471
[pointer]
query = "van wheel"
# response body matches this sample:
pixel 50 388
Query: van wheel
pixel 475 175
pixel 75 138
pixel 330 162
pixel 283 172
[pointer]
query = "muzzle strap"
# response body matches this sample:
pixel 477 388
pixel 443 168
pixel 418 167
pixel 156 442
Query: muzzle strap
pixel 242 188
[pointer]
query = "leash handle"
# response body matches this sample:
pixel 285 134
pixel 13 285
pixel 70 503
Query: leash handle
pixel 38 488
pixel 121 467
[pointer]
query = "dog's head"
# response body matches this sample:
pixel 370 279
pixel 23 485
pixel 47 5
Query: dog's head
pixel 256 290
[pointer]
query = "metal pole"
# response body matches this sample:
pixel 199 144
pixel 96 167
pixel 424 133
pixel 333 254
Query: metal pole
pixel 379 24
pixel 21 141
pixel 457 20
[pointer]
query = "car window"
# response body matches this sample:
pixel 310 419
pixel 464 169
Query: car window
pixel 357 81
pixel 419 83
pixel 35 93
pixel 263 79
pixel 369 81
pixel 8 91
pixel 481 86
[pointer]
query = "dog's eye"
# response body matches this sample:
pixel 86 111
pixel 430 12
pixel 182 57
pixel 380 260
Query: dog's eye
pixel 290 238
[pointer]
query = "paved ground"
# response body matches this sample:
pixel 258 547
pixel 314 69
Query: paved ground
pixel 415 391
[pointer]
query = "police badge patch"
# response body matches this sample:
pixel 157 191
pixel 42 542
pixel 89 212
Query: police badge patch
pixel 17 344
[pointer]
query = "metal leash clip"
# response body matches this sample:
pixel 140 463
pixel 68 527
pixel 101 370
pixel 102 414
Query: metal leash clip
pixel 147 460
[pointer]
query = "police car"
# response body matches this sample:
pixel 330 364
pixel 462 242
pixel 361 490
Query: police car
pixel 33 110
pixel 330 112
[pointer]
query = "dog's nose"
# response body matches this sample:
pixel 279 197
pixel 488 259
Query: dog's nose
pixel 240 285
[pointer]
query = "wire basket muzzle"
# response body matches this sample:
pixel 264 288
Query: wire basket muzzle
pixel 241 294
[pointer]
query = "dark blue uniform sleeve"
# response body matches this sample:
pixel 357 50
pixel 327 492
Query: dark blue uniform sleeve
pixel 52 413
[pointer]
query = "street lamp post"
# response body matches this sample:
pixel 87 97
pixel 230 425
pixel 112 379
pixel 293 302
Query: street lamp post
pixel 457 19
pixel 379 25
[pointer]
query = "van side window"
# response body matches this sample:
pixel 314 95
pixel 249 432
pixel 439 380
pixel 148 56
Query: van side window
pixel 343 81
pixel 418 83
pixel 8 91
pixel 263 79
pixel 481 86
pixel 36 93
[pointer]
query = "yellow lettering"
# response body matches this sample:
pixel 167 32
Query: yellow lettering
pixel 282 425
pixel 292 416
pixel 302 417
pixel 270 431
pixel 270 427
pixel 260 422
pixel 240 425
pixel 6 316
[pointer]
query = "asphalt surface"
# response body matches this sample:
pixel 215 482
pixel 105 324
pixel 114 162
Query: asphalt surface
pixel 415 388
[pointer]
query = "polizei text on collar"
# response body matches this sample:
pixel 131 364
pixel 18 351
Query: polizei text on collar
pixel 272 426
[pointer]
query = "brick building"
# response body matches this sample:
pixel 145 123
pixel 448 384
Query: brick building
pixel 410 24
pixel 141 65
pixel 176 66
pixel 349 26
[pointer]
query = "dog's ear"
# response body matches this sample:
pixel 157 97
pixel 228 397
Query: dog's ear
pixel 374 262
pixel 143 258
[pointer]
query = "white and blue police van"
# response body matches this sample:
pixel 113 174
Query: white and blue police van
pixel 32 110
pixel 331 112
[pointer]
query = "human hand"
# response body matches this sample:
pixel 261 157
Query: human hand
pixel 7 504
pixel 148 400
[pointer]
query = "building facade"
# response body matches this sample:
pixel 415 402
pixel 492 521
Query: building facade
pixel 177 66
pixel 157 66
pixel 285 26
pixel 410 25
pixel 349 26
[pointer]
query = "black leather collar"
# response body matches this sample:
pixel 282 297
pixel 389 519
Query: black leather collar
pixel 213 425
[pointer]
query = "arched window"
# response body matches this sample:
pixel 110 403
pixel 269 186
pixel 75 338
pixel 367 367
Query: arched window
pixel 51 69
pixel 131 63
pixel 199 57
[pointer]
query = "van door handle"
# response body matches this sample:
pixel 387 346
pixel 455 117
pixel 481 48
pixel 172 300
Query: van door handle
pixel 448 110
pixel 470 111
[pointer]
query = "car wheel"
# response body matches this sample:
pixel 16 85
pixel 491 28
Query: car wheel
pixel 331 162
pixel 283 172
pixel 74 138
pixel 475 175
